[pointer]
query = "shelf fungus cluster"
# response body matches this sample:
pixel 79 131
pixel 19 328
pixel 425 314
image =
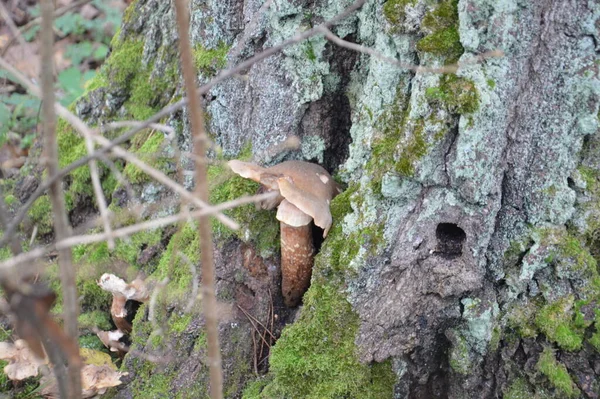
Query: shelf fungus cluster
pixel 304 192
pixel 126 299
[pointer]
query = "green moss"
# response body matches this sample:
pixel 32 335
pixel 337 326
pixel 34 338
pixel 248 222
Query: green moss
pixel 393 10
pixel 171 265
pixel 178 323
pixel 459 358
pixel 96 318
pixel 10 200
pixel 441 26
pixel 126 250
pixel 491 83
pixel 253 389
pixel 413 150
pixel 40 214
pixel 315 357
pixel 125 70
pixel 150 384
pixel 71 147
pixel 394 149
pixel 571 248
pixel 458 95
pixel 556 321
pixel 594 340
pixel 91 341
pixel 557 374
pixel 5 382
pixel 518 389
pixel 148 152
pixel 210 61
pixel 259 226
pixel 521 318
pixel 495 340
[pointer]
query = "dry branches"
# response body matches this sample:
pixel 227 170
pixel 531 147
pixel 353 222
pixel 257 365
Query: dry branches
pixel 61 224
pixel 199 138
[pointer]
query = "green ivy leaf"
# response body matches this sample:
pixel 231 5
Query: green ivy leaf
pixel 71 24
pixel 4 119
pixel 78 52
pixel 70 81
pixel 101 52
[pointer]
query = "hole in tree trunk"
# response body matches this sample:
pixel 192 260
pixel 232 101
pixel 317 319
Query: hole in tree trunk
pixel 450 239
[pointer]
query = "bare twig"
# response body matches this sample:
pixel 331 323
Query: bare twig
pixel 257 321
pixel 194 294
pixel 209 299
pixel 452 68
pixel 57 13
pixel 157 329
pixel 122 124
pixel 252 321
pixel 11 25
pixel 24 260
pixel 61 224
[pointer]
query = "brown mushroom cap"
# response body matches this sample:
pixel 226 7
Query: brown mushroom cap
pixel 307 186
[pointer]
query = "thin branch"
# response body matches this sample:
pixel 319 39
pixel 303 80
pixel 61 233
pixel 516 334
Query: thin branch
pixel 61 224
pixel 452 68
pixel 5 14
pixel 157 329
pixel 199 137
pixel 57 13
pixel 194 293
pixel 252 320
pixel 121 124
pixel 24 260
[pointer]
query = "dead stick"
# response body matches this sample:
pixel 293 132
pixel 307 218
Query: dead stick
pixel 204 230
pixel 61 224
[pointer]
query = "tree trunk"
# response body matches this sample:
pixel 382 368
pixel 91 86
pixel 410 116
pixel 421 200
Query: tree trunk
pixel 462 261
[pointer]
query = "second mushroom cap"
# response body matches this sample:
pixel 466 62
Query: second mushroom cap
pixel 306 186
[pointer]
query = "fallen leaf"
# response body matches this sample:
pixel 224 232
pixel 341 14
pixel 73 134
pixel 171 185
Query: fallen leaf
pixel 95 380
pixel 25 58
pixel 22 362
pixel 88 12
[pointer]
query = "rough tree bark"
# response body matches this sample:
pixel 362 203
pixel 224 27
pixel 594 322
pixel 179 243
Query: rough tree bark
pixel 463 257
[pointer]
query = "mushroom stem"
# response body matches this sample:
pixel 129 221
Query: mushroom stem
pixel 119 314
pixel 297 256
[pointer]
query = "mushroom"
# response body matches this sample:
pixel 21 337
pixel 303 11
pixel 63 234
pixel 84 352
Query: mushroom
pixel 305 191
pixel 123 292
